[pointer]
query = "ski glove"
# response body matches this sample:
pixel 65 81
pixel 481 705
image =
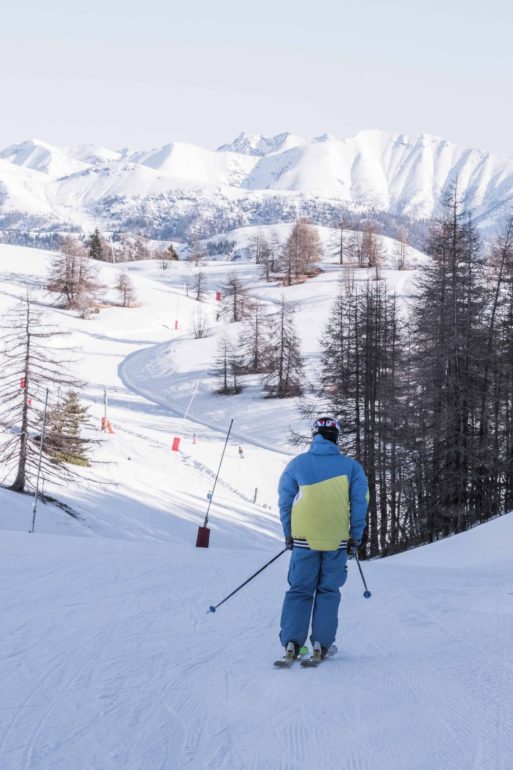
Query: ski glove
pixel 289 543
pixel 352 547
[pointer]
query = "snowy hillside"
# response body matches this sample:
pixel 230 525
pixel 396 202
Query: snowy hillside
pixel 253 180
pixel 109 660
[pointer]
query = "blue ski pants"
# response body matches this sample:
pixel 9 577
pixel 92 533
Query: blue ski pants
pixel 315 578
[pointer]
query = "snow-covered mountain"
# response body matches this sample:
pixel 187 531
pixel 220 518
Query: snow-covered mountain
pixel 171 190
pixel 40 156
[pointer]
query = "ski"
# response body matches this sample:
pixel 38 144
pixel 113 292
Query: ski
pixel 316 658
pixel 289 658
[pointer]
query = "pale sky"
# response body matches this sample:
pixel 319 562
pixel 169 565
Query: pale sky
pixel 147 72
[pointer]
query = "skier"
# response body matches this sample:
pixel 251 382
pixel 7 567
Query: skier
pixel 241 453
pixel 323 499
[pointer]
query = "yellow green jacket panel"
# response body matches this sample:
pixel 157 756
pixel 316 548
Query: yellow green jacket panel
pixel 323 498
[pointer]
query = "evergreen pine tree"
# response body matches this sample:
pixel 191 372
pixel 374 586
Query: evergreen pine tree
pixel 172 253
pixel 98 248
pixel 63 442
pixel 166 256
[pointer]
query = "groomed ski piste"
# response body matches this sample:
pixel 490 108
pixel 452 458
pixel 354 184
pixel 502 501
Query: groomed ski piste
pixel 109 659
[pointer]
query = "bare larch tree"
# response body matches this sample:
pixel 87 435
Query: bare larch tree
pixel 72 277
pixel 302 249
pixel 285 364
pixel 31 364
pixel 235 304
pixel 125 288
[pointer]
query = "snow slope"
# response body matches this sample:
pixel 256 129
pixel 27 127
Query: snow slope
pixel 108 658
pixel 252 180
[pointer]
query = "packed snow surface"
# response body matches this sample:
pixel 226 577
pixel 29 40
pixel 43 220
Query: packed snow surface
pixel 109 659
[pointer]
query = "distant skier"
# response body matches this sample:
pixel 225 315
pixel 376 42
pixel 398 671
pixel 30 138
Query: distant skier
pixel 241 453
pixel 323 498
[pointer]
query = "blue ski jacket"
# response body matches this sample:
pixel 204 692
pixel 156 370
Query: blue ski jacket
pixel 323 498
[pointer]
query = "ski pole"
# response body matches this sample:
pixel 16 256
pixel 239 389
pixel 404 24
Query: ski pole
pixel 203 536
pixel 217 474
pixel 41 442
pixel 213 609
pixel 366 593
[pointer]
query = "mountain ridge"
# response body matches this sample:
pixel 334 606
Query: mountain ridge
pixel 253 179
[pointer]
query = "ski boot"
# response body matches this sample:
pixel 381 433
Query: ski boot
pixel 292 651
pixel 318 655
